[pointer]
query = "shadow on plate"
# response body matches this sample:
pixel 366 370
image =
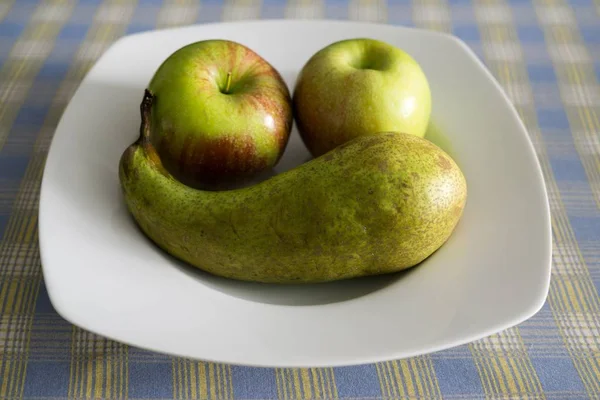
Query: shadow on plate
pixel 294 294
pixel 436 136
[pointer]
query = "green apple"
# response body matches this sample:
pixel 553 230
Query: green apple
pixel 356 87
pixel 220 113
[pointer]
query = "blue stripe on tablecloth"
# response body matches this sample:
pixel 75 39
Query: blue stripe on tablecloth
pixel 272 9
pixel 458 376
pixel 545 345
pixel 541 73
pixel 465 26
pixel 211 11
pixel 358 381
pixel 53 71
pixel 21 12
pixel 144 17
pixel 11 29
pixel 557 374
pixel 253 383
pixel 336 9
pixel 530 34
pixel 399 13
pixel 43 304
pixel 150 380
pixel 467 33
pixel 73 32
pixel 47 379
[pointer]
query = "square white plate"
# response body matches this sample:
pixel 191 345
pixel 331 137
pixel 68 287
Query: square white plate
pixel 105 276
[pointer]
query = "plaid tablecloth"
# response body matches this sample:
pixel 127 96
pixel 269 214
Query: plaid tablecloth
pixel 546 55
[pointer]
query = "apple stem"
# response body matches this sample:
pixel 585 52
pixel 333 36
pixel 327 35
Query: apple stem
pixel 228 84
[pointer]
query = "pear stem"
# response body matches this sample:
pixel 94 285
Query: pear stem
pixel 228 84
pixel 145 109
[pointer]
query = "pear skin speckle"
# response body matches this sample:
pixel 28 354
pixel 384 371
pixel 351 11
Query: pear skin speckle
pixel 379 204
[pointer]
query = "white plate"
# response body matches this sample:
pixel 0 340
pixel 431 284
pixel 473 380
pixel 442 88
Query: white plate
pixel 105 276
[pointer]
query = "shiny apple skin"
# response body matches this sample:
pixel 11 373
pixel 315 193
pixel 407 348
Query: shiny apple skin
pixel 206 133
pixel 358 87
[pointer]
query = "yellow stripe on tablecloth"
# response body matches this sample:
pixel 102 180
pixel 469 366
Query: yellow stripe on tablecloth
pixel 513 365
pixel 305 383
pixel 178 376
pixel 230 385
pixel 312 383
pixel 227 384
pixel 408 378
pixel 398 386
pixel 22 218
pixel 73 373
pixel 177 13
pixel 287 384
pixel 21 229
pixel 191 370
pixel 332 383
pixel 194 378
pixel 497 373
pixel 380 378
pixel 241 10
pixel 510 372
pixel 109 378
pixel 20 70
pixel 211 380
pixel 203 380
pixel 576 293
pixel 208 380
pixel 304 9
pixel 389 387
pixel 422 382
pixel 124 370
pixel 586 120
pixel 279 384
pixel 323 384
pixel 221 379
pixel 187 371
pixel 293 374
pixel 439 21
pixel 404 383
pixel 561 226
pixel 99 367
pixel 214 379
pixel 174 365
pixel 6 365
pixel 17 300
pixel 432 387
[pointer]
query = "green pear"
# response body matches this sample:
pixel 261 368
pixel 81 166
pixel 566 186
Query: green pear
pixel 376 204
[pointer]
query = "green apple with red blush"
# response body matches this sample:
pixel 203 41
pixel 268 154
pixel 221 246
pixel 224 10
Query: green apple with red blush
pixel 221 113
pixel 359 87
